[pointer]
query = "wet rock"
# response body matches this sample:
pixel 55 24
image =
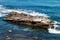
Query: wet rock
pixel 35 38
pixel 8 38
pixel 24 19
pixel 10 31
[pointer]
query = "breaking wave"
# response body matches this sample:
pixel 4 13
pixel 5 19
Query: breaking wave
pixel 55 29
pixel 4 11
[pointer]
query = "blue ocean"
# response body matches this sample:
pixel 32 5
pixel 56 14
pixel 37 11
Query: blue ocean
pixel 49 8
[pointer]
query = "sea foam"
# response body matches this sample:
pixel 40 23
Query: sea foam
pixel 4 10
pixel 56 29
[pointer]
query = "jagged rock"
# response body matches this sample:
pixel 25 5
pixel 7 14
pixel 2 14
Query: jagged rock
pixel 24 19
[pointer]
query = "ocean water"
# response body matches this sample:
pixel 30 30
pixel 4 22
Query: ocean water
pixel 47 10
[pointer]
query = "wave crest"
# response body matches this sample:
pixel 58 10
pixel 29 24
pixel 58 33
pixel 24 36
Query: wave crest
pixel 4 10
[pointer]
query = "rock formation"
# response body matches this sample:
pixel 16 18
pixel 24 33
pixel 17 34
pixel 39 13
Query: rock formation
pixel 28 20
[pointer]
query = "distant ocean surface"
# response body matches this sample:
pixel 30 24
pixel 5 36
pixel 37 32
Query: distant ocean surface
pixel 52 11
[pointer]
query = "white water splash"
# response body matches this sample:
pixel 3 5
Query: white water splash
pixel 56 29
pixel 29 12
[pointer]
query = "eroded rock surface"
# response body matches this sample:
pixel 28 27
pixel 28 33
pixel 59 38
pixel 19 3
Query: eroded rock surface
pixel 24 19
